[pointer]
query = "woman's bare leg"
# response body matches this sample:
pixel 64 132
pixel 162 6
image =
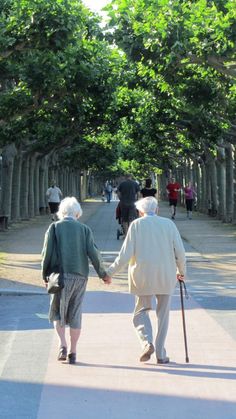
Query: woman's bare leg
pixel 61 332
pixel 74 337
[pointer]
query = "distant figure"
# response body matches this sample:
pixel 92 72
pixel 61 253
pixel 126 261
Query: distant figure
pixel 154 251
pixel 114 192
pixel 108 191
pixel 172 189
pixel 128 192
pixel 54 195
pixel 148 190
pixel 190 195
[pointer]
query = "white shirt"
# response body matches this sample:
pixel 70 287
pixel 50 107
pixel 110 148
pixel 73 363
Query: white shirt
pixel 54 194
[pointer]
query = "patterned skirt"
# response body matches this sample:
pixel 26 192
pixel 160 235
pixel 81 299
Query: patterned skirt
pixel 66 306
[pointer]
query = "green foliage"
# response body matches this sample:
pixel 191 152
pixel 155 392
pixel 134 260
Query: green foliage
pixel 182 54
pixel 158 85
pixel 56 80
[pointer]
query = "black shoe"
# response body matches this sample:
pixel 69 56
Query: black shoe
pixel 62 354
pixel 165 360
pixel 147 352
pixel 72 358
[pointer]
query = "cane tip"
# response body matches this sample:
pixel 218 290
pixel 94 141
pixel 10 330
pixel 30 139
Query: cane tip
pixel 187 360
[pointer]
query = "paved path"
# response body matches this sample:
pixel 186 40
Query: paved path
pixel 108 380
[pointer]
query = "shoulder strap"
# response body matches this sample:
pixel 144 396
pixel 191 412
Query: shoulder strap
pixel 57 248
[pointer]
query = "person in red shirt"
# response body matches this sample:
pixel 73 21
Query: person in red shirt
pixel 173 189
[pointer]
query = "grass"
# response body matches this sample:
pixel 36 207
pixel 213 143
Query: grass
pixel 2 257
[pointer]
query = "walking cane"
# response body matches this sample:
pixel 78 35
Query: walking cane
pixel 181 285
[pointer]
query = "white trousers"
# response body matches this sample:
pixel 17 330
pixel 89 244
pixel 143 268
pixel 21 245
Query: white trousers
pixel 142 323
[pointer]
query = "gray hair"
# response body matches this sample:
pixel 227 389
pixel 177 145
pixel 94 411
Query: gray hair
pixel 69 207
pixel 147 205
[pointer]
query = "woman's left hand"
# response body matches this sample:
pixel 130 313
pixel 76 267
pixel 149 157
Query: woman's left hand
pixel 107 279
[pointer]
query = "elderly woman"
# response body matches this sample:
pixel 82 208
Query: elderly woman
pixel 75 246
pixel 154 250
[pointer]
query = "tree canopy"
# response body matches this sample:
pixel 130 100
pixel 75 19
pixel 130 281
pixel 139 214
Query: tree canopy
pixel 156 85
pixel 182 54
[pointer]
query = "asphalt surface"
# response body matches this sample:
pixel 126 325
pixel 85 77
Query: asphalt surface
pixel 108 380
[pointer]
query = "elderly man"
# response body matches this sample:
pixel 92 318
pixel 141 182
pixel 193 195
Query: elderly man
pixel 154 250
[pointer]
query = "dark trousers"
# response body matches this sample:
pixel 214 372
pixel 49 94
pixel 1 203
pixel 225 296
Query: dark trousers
pixel 189 204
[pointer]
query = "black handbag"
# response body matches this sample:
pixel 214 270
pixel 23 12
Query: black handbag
pixel 55 279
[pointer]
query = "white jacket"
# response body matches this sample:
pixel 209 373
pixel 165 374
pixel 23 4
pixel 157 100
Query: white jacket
pixel 154 250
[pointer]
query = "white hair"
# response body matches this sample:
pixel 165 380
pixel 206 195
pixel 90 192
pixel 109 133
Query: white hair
pixel 147 205
pixel 69 207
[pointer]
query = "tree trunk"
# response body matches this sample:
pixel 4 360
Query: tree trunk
pixel 16 187
pixel 163 183
pixel 197 183
pixel 66 182
pixel 32 162
pixel 208 201
pixel 36 188
pixel 73 186
pixel 229 151
pixel 234 216
pixel 70 180
pixel 221 177
pixel 77 190
pixel 51 174
pixel 46 184
pixel 60 180
pixel 8 156
pixel 204 198
pixel 43 184
pixel 194 174
pixel 213 188
pixel 84 185
pixel 183 182
pixel 24 198
pixel 189 177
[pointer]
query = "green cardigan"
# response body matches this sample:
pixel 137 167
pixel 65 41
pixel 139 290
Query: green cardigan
pixel 76 245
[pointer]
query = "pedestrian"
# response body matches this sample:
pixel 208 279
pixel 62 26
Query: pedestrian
pixel 103 194
pixel 108 191
pixel 128 193
pixel 148 190
pixel 54 195
pixel 154 251
pixel 190 195
pixel 75 244
pixel 173 189
pixel 114 192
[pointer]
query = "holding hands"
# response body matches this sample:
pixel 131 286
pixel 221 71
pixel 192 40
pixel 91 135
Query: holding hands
pixel 107 280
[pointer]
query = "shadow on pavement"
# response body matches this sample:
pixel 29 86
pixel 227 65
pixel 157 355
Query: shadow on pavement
pixel 83 402
pixel 228 373
pixel 19 313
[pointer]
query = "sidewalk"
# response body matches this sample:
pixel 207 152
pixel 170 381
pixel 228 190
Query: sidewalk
pixel 108 380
